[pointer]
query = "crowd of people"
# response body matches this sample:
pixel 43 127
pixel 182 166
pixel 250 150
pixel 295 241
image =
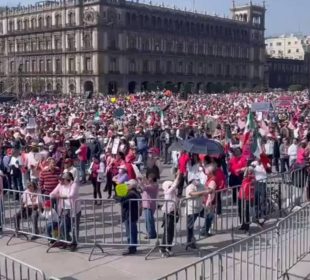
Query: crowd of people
pixel 54 146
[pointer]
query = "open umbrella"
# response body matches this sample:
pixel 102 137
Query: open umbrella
pixel 203 146
pixel 176 146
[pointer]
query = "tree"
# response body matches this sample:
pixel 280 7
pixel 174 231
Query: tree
pixel 295 87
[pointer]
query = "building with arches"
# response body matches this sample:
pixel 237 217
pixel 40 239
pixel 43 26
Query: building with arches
pixel 108 46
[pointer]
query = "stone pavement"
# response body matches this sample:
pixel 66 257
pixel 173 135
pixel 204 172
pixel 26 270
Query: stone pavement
pixel 111 264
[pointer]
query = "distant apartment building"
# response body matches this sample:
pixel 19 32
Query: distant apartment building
pixel 288 47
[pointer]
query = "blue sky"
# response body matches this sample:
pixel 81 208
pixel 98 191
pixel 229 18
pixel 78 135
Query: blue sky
pixel 283 16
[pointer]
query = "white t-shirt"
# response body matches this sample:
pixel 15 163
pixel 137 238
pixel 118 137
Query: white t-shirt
pixel 30 199
pixel 260 173
pixel 194 205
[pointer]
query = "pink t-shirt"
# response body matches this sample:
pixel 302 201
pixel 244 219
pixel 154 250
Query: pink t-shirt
pixel 300 156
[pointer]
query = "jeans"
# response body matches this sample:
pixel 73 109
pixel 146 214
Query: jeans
pixel 132 234
pixel 96 186
pixel 180 185
pixel 50 228
pixel 83 170
pixel 25 213
pixel 168 234
pixel 260 199
pixel 150 223
pixel 191 219
pixel 285 164
pixel 17 184
pixel 69 224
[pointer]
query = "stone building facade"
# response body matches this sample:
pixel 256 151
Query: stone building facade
pixel 106 46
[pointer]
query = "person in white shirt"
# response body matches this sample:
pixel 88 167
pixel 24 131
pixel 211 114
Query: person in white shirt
pixel 52 220
pixel 260 190
pixel 31 202
pixel 194 208
pixel 292 151
pixel 69 167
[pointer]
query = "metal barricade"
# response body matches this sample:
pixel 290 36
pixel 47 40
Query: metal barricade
pixel 111 223
pixel 35 220
pixel 294 239
pixel 250 258
pixel 11 268
pixel 268 254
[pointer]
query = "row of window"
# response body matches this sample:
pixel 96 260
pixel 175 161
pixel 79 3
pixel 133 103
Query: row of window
pixel 180 25
pixel 46 66
pixel 157 66
pixel 39 22
pixel 134 43
pixel 289 68
pixel 45 44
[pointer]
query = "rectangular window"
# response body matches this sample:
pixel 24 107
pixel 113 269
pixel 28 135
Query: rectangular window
pixel 157 66
pixel 58 44
pixel 58 65
pixel 49 66
pixel 112 65
pixel 41 66
pixel 34 66
pixel 71 65
pixel 27 66
pixel 88 64
pixel 169 67
pixel 145 66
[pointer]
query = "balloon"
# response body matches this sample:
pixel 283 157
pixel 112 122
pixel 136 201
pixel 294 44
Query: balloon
pixel 113 100
pixel 121 190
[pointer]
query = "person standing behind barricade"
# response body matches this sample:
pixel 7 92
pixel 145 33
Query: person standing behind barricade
pixel 237 165
pixel 69 167
pixel 165 139
pixel 82 153
pixel 30 204
pixel 221 184
pixel 269 148
pixel 182 170
pixel 93 171
pixel 194 208
pixel 284 157
pixel 52 221
pixel 69 209
pixel 152 166
pixel 142 143
pixel 6 166
pixel 130 215
pixel 49 177
pixel 150 192
pixel 292 152
pixel 16 173
pixel 170 212
pixel 209 199
pixel 260 190
pixel 246 198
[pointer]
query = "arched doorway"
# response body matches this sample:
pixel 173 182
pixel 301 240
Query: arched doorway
pixel 27 88
pixel 209 87
pixel 180 87
pixel 199 88
pixel 189 87
pixel 88 89
pixel 49 87
pixel 169 86
pixel 132 87
pixel 158 85
pixel 144 86
pixel 72 88
pixel 58 88
pixel 112 87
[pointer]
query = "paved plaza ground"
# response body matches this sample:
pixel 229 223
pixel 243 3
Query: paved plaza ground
pixel 112 265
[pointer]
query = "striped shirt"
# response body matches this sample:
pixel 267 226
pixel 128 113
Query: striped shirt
pixel 49 180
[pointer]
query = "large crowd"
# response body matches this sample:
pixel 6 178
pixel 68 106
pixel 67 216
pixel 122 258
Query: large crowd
pixel 54 146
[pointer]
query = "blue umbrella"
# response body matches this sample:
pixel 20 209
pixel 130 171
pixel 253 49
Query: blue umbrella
pixel 203 146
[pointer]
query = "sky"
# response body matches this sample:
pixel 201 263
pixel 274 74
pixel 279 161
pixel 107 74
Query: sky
pixel 283 16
